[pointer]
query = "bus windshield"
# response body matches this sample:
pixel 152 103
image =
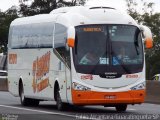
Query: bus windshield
pixel 108 48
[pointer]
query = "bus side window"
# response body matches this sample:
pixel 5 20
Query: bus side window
pixel 60 66
pixel 65 54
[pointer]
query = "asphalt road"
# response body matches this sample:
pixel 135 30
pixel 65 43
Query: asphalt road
pixel 10 109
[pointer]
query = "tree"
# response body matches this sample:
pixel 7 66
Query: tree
pixel 5 19
pixel 152 20
pixel 45 6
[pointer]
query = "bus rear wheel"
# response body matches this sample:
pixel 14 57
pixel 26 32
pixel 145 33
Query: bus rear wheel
pixel 121 108
pixel 26 101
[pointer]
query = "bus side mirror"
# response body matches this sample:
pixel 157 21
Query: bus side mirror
pixel 71 37
pixel 71 42
pixel 147 34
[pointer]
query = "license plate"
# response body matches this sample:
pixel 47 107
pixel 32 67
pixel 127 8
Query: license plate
pixel 110 97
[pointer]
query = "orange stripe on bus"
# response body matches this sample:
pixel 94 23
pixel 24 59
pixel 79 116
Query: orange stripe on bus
pixel 43 84
pixel 102 98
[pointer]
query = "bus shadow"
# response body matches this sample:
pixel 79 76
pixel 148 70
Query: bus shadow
pixel 82 109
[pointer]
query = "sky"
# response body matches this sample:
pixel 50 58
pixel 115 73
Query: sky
pixel 5 4
pixel 119 4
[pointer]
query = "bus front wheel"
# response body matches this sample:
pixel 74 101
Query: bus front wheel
pixel 121 108
pixel 60 105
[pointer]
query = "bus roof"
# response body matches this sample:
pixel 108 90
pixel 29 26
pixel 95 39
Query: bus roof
pixel 77 15
pixel 34 19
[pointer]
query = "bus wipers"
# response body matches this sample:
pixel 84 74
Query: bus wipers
pixel 123 66
pixel 95 66
pixel 119 61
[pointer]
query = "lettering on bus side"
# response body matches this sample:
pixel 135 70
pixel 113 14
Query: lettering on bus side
pixel 40 70
pixel 12 58
pixel 87 77
pixel 131 76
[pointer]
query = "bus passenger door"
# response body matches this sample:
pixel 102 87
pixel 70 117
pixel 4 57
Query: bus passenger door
pixel 68 82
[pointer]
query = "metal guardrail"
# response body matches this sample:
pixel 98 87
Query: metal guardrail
pixel 152 90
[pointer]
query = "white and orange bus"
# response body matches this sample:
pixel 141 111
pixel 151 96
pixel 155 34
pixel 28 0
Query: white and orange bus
pixel 78 55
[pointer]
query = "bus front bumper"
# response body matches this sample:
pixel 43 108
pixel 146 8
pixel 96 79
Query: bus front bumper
pixel 107 98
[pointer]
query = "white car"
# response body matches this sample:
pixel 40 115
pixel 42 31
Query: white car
pixel 3 74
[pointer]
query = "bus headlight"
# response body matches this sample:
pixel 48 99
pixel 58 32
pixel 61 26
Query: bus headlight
pixel 77 86
pixel 140 86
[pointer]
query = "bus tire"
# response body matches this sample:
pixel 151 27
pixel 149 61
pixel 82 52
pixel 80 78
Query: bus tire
pixel 60 105
pixel 24 101
pixel 121 108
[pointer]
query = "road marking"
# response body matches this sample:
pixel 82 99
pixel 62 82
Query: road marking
pixel 40 111
pixel 131 109
pixel 126 110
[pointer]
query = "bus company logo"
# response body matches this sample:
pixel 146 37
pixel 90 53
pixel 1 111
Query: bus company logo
pixel 87 77
pixel 40 69
pixel 12 58
pixel 110 73
pixel 131 76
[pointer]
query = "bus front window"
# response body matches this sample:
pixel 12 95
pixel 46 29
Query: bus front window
pixel 91 46
pixel 126 45
pixel 108 48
